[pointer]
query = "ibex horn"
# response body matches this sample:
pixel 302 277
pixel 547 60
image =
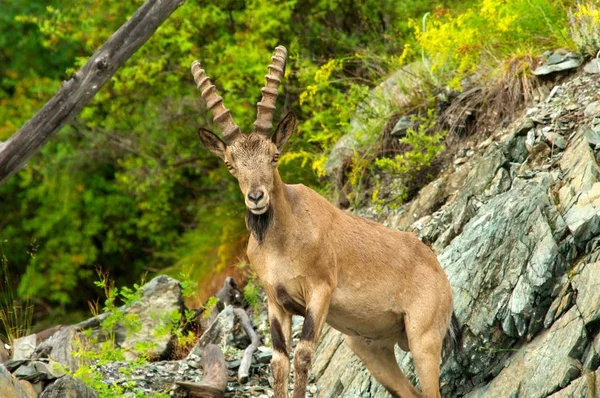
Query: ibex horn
pixel 266 107
pixel 214 102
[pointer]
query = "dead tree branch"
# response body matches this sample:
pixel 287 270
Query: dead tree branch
pixel 244 370
pixel 77 92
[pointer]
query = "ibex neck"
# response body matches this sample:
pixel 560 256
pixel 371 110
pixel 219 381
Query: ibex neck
pixel 280 201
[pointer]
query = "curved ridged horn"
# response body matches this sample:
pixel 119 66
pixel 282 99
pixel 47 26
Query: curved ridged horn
pixel 266 107
pixel 221 115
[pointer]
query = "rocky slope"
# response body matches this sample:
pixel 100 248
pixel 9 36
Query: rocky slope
pixel 515 224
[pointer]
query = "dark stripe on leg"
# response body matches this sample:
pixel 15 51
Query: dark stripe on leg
pixel 308 328
pixel 393 393
pixel 278 338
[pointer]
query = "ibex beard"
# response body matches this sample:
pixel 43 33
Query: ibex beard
pixel 378 286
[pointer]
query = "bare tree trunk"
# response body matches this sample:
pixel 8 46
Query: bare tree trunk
pixel 77 92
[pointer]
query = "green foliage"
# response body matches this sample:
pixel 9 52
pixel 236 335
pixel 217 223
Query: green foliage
pixel 424 144
pixel 117 299
pixel 585 26
pixel 209 307
pixel 252 292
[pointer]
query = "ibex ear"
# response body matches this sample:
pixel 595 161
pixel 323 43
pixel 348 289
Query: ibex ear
pixel 212 142
pixel 284 131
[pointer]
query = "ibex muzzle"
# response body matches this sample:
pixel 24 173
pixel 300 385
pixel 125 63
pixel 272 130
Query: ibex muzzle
pixel 378 286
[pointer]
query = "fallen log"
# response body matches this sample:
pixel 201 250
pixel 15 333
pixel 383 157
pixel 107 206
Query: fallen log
pixel 85 83
pixel 246 362
pixel 214 383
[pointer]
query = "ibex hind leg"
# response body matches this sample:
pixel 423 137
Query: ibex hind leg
pixel 426 348
pixel 380 360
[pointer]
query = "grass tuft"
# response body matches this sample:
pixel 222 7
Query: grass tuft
pixel 16 314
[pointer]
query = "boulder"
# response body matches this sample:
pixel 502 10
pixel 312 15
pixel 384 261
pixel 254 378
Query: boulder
pixel 159 299
pixel 218 333
pixel 10 386
pixel 68 387
pixel 60 347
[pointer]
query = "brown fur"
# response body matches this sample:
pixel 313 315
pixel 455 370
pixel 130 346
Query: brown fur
pixel 377 286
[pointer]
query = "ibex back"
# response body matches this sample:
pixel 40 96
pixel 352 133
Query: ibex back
pixel 377 286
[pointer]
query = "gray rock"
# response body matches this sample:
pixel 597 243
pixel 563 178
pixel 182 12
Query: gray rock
pixel 60 348
pixel 524 127
pixel 592 109
pixel 583 222
pixel 587 285
pixel 581 175
pixel 592 357
pixel 29 389
pixel 341 154
pixel 24 347
pixel 500 183
pixel 555 139
pixel 586 386
pixel 10 386
pixel 558 63
pixel 402 126
pixel 14 364
pixel 548 351
pixel 592 67
pixel 218 333
pixel 556 58
pixel 29 373
pixel 530 140
pixel 516 149
pixel 68 387
pixel 501 265
pixel 593 137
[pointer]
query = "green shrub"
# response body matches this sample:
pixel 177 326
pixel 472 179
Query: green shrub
pixel 423 146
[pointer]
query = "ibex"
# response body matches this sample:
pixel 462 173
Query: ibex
pixel 378 286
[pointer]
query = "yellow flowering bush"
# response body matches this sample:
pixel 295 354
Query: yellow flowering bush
pixel 585 27
pixel 454 46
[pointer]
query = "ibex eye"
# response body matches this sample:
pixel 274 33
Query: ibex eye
pixel 229 166
pixel 275 158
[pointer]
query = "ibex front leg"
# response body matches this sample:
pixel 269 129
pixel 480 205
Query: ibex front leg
pixel 281 332
pixel 316 312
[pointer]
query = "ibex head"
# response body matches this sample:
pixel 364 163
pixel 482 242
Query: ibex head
pixel 251 158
